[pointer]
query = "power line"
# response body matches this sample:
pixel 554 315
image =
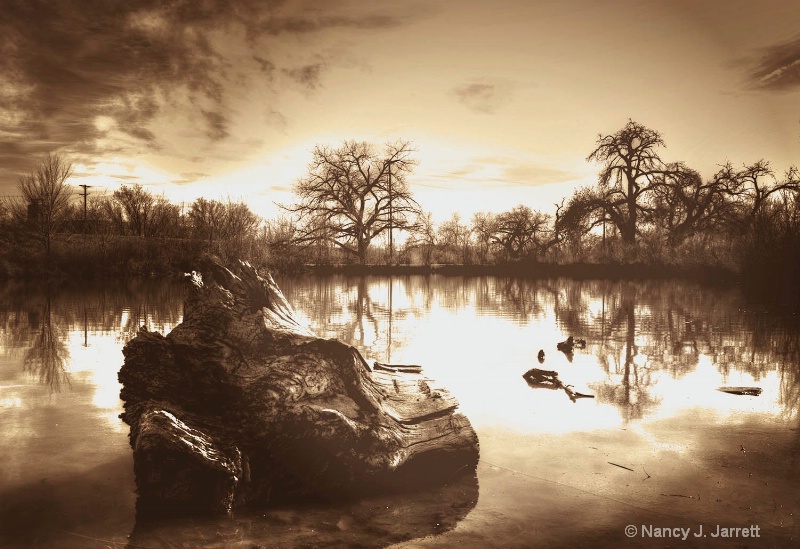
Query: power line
pixel 85 193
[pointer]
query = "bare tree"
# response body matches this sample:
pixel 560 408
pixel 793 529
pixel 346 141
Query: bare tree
pixel 519 231
pixel 482 223
pixel 353 194
pixel 752 187
pixel 683 205
pixel 239 229
pixel 207 218
pixel 454 239
pixel 165 218
pixel 280 236
pixel 112 214
pixel 239 222
pixel 45 199
pixel 137 204
pixel 424 238
pixel 630 163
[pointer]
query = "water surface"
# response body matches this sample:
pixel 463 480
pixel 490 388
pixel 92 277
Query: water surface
pixel 658 445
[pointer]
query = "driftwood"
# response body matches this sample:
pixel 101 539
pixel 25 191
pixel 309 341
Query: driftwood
pixel 548 379
pixel 748 391
pixel 240 403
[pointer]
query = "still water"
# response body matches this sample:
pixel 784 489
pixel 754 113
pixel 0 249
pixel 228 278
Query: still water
pixel 658 447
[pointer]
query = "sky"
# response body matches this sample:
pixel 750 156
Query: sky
pixel 503 101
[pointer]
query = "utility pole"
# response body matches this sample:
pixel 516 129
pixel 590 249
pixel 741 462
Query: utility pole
pixel 391 220
pixel 85 188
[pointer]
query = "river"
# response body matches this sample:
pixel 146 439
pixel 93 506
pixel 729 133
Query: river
pixel 658 447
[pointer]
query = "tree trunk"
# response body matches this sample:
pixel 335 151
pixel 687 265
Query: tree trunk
pixel 629 232
pixel 363 244
pixel 240 403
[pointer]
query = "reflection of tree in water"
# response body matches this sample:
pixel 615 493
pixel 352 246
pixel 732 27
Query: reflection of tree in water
pixel 118 308
pixel 46 357
pixel 361 310
pixel 358 310
pixel 636 329
pixel 517 298
pixel 628 382
pixel 667 326
pixel 776 344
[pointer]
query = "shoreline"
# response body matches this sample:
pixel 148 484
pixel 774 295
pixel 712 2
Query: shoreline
pixel 530 270
pixel 614 271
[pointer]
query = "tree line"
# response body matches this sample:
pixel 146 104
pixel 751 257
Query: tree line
pixel 354 205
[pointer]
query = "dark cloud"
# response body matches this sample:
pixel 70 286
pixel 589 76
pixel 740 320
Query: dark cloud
pixel 63 63
pixel 482 97
pixel 216 125
pixel 266 66
pixel 779 67
pixel 306 24
pixel 307 76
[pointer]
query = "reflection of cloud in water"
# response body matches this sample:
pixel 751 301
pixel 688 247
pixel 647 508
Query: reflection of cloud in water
pixel 97 367
pixel 698 389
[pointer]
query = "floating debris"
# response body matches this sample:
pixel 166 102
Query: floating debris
pixel 566 346
pixel 749 391
pixel 620 466
pixel 404 368
pixel 548 379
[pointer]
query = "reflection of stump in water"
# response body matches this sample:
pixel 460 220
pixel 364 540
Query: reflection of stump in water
pixel 548 379
pixel 46 357
pixel 241 404
pixel 375 521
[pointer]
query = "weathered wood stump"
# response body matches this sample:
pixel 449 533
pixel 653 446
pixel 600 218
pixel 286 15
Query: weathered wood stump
pixel 240 403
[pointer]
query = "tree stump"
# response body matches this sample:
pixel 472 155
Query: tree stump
pixel 241 404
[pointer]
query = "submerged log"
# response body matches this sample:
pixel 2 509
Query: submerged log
pixel 241 403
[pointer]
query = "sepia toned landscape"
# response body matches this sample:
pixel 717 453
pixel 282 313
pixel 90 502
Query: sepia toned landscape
pixel 399 274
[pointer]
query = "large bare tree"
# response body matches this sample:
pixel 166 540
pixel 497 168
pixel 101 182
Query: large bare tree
pixel 353 193
pixel 630 162
pixel 45 199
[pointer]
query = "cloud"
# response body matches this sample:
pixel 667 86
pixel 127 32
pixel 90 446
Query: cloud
pixel 64 64
pixel 188 177
pixel 306 24
pixel 124 177
pixel 506 172
pixel 483 96
pixel 307 76
pixel 778 68
pixel 266 66
pixel 216 125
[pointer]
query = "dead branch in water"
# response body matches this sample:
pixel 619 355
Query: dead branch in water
pixel 548 379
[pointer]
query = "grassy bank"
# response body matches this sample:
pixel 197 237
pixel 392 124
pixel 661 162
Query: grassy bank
pixel 768 274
